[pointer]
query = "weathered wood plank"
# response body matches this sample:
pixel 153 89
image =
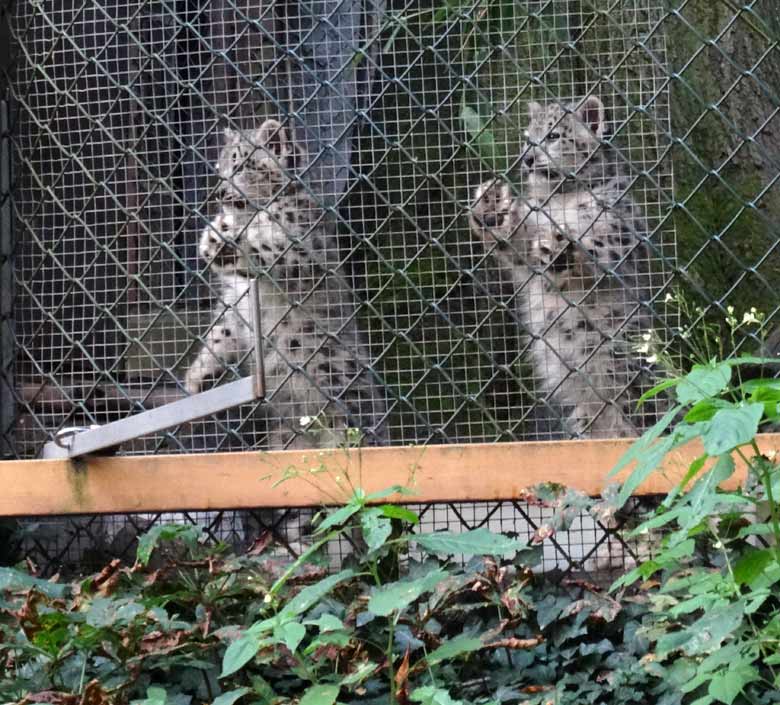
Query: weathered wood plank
pixel 242 480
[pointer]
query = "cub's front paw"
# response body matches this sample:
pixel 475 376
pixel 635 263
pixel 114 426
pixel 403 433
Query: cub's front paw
pixel 490 207
pixel 216 239
pixel 193 382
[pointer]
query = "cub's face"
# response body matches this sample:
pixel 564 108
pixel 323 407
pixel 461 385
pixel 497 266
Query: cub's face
pixel 256 166
pixel 559 141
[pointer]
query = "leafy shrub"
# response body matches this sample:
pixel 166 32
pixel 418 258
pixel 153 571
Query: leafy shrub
pixel 203 625
pixel 714 612
pixel 697 623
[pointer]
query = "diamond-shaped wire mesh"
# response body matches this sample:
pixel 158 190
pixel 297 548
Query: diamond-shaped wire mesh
pixel 81 544
pixel 462 215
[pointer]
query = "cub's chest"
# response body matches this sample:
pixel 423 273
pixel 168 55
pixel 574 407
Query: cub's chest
pixel 570 212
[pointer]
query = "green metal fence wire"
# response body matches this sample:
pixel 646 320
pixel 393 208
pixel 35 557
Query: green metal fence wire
pixel 112 122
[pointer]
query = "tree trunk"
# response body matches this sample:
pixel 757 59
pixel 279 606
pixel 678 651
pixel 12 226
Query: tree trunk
pixel 725 100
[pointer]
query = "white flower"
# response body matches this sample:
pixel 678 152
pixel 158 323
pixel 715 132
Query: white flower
pixel 643 349
pixel 730 310
pixel 268 599
pixel 647 337
pixel 652 359
pixel 305 420
pixel 750 317
pixel 668 298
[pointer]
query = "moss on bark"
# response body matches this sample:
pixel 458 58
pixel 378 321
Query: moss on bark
pixel 723 109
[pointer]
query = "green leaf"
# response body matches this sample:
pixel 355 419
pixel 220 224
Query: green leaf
pixel 398 595
pixel 241 651
pixel 769 397
pixel 480 542
pixel 756 530
pixel 647 462
pixel 230 697
pixel 13 580
pixel 337 518
pixel 655 391
pixel 628 579
pixel 326 623
pixel 640 446
pixel 376 528
pixel 167 532
pixel 661 518
pixel 314 593
pixel 108 611
pixel 290 634
pixel 394 512
pixel 757 385
pixel 431 695
pixel 395 489
pixel 462 644
pixel 751 360
pixel 703 496
pixel 692 471
pixel 732 427
pixel 337 638
pixel 726 685
pixel 704 381
pixel 705 409
pixel 320 695
pixel 752 565
pixel 480 136
pixel 363 671
pixel 707 633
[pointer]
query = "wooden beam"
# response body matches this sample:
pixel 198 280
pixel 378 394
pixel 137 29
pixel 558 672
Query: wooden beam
pixel 249 479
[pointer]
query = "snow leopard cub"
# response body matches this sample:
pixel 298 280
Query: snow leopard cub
pixel 315 357
pixel 574 244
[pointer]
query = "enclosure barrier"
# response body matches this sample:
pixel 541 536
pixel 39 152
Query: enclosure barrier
pixel 469 222
pixel 474 472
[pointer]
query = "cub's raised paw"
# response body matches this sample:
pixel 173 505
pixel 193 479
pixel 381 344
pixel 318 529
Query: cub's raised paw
pixel 216 238
pixel 490 207
pixel 193 382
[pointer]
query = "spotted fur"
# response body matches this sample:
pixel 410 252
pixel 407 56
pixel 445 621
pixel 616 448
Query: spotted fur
pixel 573 242
pixel 315 357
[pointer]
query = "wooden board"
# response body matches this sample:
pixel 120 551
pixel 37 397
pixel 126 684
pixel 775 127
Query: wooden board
pixel 250 479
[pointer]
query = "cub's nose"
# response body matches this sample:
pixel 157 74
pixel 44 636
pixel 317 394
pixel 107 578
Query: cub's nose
pixel 529 160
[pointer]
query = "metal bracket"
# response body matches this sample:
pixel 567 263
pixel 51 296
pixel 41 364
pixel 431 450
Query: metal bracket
pixel 74 442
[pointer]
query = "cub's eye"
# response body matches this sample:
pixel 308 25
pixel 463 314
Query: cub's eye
pixel 554 136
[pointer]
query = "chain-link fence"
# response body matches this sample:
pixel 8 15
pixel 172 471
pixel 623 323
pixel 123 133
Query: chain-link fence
pixel 461 215
pixel 584 547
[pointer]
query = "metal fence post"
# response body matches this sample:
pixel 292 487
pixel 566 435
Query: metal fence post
pixel 7 337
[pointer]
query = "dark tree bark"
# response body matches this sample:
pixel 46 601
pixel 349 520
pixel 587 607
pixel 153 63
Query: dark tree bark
pixel 725 101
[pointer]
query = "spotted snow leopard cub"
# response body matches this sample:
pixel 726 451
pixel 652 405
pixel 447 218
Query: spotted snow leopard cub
pixel 315 358
pixel 574 243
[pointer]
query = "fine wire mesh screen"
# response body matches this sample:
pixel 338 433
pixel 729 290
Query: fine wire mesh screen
pixel 586 547
pixel 167 152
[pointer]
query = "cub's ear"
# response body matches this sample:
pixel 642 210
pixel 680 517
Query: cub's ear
pixel 273 137
pixel 534 109
pixel 591 114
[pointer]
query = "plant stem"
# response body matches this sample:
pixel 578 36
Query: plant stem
pixel 389 656
pixel 766 479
